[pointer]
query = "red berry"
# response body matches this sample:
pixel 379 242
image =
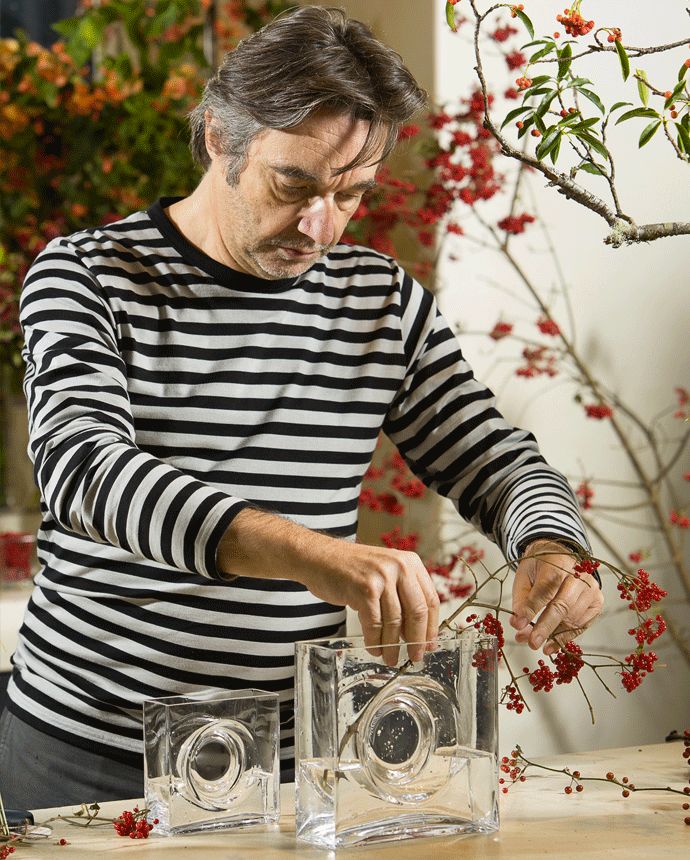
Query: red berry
pixel 609 775
pixel 568 789
pixel 625 792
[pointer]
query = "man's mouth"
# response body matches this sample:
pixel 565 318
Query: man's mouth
pixel 298 253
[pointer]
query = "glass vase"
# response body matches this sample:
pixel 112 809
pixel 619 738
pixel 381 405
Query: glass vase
pixel 212 764
pixel 386 753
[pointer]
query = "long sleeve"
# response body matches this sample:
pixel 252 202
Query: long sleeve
pixel 446 425
pixel 92 476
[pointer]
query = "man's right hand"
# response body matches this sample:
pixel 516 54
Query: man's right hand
pixel 390 590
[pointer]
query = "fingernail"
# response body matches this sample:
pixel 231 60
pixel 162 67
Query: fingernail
pixel 537 639
pixel 518 621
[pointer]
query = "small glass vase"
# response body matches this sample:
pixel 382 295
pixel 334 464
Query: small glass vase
pixel 396 753
pixel 212 764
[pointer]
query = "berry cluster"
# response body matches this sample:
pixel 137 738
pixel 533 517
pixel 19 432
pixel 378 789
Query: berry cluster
pixel 514 10
pixel 501 329
pixel 640 591
pixel 515 701
pixel 614 35
pixel 598 411
pixel 568 663
pixel 511 767
pixel 502 34
pixel 679 520
pixel 548 326
pixel 523 83
pixel 5 851
pixel 515 224
pixel 490 625
pixel 648 630
pixel 585 494
pixel 585 565
pixel 134 824
pixel 539 360
pixel 574 23
pixel 541 678
pixel 639 664
pixel 515 60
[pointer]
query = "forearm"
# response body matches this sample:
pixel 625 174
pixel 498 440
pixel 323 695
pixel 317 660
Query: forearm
pixel 265 545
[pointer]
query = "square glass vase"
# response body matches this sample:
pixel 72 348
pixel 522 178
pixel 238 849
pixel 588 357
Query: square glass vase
pixel 386 753
pixel 212 764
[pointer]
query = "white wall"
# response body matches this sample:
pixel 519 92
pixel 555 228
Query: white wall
pixel 631 316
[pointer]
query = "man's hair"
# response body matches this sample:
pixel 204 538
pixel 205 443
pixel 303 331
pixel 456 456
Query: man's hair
pixel 305 60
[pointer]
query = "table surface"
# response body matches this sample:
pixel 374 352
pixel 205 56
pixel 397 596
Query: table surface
pixel 537 819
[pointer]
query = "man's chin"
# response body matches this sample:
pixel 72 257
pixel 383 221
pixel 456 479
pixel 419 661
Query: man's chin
pixel 279 263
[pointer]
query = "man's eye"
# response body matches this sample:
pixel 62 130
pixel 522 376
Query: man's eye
pixel 293 192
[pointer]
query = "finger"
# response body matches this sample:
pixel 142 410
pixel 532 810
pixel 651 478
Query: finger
pixel 559 612
pixel 522 585
pixel 530 598
pixel 391 626
pixel 570 628
pixel 415 613
pixel 372 626
pixel 433 606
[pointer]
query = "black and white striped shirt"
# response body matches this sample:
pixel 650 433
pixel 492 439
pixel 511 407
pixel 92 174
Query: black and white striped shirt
pixel 166 392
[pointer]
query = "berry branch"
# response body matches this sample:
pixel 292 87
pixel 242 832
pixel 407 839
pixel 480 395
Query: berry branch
pixel 623 228
pixel 516 765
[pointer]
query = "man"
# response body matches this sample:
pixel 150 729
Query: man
pixel 206 383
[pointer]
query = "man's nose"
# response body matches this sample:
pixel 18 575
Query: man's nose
pixel 317 221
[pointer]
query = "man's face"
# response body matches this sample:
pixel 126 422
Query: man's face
pixel 288 208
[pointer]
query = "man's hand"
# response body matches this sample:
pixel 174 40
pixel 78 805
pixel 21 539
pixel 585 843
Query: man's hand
pixel 390 590
pixel 544 581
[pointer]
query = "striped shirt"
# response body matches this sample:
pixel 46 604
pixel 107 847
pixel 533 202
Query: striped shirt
pixel 167 392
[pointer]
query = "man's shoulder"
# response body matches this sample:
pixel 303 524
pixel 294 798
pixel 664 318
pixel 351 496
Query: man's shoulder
pixel 135 233
pixel 358 264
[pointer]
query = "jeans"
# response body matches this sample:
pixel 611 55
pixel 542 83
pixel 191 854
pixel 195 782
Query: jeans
pixel 37 771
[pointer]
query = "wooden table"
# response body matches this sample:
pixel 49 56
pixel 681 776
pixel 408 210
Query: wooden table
pixel 537 820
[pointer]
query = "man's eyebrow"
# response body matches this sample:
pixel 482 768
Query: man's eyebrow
pixel 291 171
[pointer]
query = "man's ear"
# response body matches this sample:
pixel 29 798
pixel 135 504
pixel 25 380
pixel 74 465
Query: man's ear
pixel 211 139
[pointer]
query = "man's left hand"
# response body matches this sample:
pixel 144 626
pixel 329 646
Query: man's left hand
pixel 544 581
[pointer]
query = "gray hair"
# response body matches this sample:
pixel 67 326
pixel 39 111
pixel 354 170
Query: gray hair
pixel 305 60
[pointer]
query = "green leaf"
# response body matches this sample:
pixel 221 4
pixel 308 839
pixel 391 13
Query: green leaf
pixel 588 123
pixel 514 113
pixel 571 119
pixel 535 42
pixel 617 105
pixel 542 53
pixel 548 143
pixel 526 21
pixel 677 90
pixel 594 98
pixel 682 71
pixel 594 142
pixel 648 133
pixel 642 87
pixel 556 149
pixel 683 137
pixel 543 105
pixel 565 58
pixel 631 114
pixel 539 122
pixel 450 17
pixel 592 167
pixel 538 92
pixel 578 82
pixel 623 57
